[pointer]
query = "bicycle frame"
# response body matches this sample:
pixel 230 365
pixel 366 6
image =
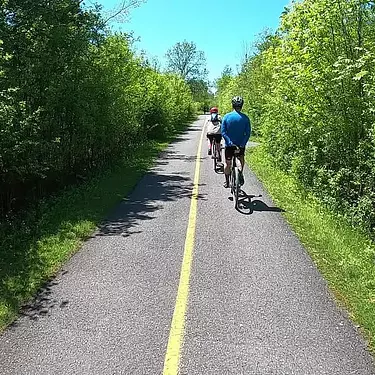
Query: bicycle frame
pixel 216 153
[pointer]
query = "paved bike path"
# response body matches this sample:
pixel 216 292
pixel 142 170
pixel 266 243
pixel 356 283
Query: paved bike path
pixel 257 304
pixel 111 309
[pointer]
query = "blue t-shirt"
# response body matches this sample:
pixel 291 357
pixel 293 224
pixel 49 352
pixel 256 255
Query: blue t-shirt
pixel 236 129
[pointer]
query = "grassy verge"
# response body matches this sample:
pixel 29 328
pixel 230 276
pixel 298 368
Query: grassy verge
pixel 344 255
pixel 34 248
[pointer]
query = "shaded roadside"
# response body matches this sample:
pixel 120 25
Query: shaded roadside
pixel 33 248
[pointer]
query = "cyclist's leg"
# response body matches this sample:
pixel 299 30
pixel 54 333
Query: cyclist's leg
pixel 210 139
pixel 227 172
pixel 218 146
pixel 241 158
pixel 229 152
pixel 242 161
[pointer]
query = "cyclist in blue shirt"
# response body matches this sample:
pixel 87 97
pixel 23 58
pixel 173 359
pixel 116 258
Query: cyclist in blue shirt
pixel 235 129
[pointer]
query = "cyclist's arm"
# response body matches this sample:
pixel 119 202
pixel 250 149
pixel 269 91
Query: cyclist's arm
pixel 224 133
pixel 247 133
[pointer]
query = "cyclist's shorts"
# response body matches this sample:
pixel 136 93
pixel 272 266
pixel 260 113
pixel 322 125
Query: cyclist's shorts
pixel 216 137
pixel 229 152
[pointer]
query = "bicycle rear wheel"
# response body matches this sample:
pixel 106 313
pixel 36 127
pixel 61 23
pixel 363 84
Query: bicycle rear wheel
pixel 236 187
pixel 231 181
pixel 214 152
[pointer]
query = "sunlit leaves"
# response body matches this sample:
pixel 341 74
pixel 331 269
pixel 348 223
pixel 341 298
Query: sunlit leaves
pixel 73 97
pixel 311 94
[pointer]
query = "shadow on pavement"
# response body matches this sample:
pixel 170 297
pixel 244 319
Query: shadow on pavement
pixel 184 135
pixel 247 206
pixel 173 155
pixel 43 303
pixel 20 257
pixel 151 194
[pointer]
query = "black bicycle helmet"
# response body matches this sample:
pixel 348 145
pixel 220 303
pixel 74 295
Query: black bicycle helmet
pixel 237 102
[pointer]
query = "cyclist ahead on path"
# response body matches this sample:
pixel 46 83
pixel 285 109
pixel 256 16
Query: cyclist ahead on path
pixel 235 129
pixel 214 130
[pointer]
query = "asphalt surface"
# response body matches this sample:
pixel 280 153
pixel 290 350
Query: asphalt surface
pixel 257 304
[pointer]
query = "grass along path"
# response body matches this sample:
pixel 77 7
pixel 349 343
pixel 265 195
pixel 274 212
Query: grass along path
pixel 344 255
pixel 33 249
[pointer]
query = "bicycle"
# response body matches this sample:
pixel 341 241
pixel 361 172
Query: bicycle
pixel 234 178
pixel 216 151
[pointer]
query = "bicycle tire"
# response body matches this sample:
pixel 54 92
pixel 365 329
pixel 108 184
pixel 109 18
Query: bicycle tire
pixel 236 189
pixel 231 181
pixel 214 152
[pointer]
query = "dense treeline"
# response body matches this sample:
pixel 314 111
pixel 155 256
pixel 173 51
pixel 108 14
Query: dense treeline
pixel 309 89
pixel 73 97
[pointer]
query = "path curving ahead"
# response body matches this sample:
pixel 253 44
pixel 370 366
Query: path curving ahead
pixel 254 304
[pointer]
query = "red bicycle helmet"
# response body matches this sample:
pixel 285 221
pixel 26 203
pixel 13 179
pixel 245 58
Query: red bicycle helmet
pixel 214 110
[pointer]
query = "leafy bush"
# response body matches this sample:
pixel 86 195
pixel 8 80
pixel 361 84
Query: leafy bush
pixel 309 89
pixel 73 98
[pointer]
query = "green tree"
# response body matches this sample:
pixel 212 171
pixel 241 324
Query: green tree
pixel 72 97
pixel 309 91
pixel 201 94
pixel 186 60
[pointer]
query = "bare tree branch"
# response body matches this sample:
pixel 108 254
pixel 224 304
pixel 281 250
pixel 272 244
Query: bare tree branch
pixel 122 10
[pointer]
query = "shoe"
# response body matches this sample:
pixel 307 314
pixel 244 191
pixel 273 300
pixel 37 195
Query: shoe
pixel 209 151
pixel 226 184
pixel 241 179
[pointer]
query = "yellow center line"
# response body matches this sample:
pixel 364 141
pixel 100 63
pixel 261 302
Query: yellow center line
pixel 172 357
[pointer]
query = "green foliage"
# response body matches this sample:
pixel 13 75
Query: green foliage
pixel 73 98
pixel 76 103
pixel 202 96
pixel 187 61
pixel 309 89
pixel 33 247
pixel 343 254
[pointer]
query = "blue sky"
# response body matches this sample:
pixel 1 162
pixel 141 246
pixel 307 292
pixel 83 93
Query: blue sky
pixel 217 27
